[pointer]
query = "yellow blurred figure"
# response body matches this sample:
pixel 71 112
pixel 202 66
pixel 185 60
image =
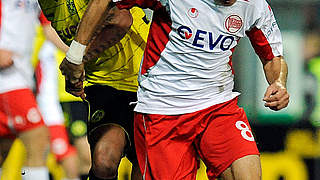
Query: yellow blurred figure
pixel 11 169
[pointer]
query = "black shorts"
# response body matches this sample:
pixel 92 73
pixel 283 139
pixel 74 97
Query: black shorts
pixel 108 105
pixel 76 115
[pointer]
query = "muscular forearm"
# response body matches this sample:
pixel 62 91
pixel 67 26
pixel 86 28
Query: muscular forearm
pixel 276 96
pixel 113 31
pixel 276 71
pixel 102 26
pixel 92 20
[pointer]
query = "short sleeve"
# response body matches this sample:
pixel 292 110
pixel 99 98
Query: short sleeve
pixel 43 20
pixel 264 34
pixel 127 4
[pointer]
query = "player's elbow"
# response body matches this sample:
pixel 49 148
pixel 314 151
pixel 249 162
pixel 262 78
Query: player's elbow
pixel 125 19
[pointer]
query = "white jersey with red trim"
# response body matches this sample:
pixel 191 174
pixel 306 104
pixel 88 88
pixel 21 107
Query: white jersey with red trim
pixel 187 63
pixel 17 31
pixel 47 96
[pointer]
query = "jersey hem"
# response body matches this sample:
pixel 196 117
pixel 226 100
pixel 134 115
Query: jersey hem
pixel 177 111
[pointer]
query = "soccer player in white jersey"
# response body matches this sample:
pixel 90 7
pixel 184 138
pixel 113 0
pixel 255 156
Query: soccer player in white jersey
pixel 19 113
pixel 51 110
pixel 186 105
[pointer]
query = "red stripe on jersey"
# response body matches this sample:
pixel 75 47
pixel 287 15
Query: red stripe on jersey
pixel 260 44
pixel 157 39
pixel 230 59
pixel 39 76
pixel 0 13
pixel 43 19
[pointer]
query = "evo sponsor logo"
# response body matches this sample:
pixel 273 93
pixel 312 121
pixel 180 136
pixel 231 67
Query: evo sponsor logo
pixel 202 39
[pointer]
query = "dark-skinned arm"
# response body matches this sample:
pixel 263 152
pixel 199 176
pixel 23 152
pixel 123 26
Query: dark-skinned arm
pixel 101 26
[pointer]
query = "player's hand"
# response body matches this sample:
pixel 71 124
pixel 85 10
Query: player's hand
pixel 74 77
pixel 5 59
pixel 276 97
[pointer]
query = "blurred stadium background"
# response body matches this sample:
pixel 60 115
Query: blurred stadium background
pixel 289 140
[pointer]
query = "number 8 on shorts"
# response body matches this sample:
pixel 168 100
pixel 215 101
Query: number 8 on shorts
pixel 245 131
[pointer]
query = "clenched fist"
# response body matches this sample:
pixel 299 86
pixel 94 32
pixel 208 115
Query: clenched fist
pixel 276 97
pixel 74 77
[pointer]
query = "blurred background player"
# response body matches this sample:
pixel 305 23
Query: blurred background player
pixel 111 86
pixel 19 113
pixel 46 71
pixel 18 68
pixel 73 114
pixel 48 101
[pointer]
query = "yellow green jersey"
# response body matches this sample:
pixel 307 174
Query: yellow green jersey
pixel 117 66
pixel 38 42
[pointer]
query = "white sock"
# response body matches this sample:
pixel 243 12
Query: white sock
pixel 35 173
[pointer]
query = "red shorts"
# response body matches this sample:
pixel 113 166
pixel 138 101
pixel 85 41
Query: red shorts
pixel 59 142
pixel 168 147
pixel 18 112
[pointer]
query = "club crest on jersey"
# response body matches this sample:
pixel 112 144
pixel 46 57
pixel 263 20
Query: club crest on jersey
pixel 233 23
pixel 193 12
pixel 97 116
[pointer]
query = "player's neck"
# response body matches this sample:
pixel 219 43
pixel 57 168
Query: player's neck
pixel 225 2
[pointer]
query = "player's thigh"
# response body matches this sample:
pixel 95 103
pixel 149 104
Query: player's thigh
pixel 31 130
pixel 228 137
pixel 35 138
pixel 22 107
pixel 108 148
pixel 36 142
pixel 110 136
pixel 82 146
pixel 245 168
pixel 110 112
pixel 6 136
pixel 165 147
pixel 83 150
pixel 26 121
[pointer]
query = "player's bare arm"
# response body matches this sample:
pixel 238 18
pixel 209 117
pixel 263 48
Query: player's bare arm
pixel 53 37
pixel 102 26
pixel 5 58
pixel 113 29
pixel 276 96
